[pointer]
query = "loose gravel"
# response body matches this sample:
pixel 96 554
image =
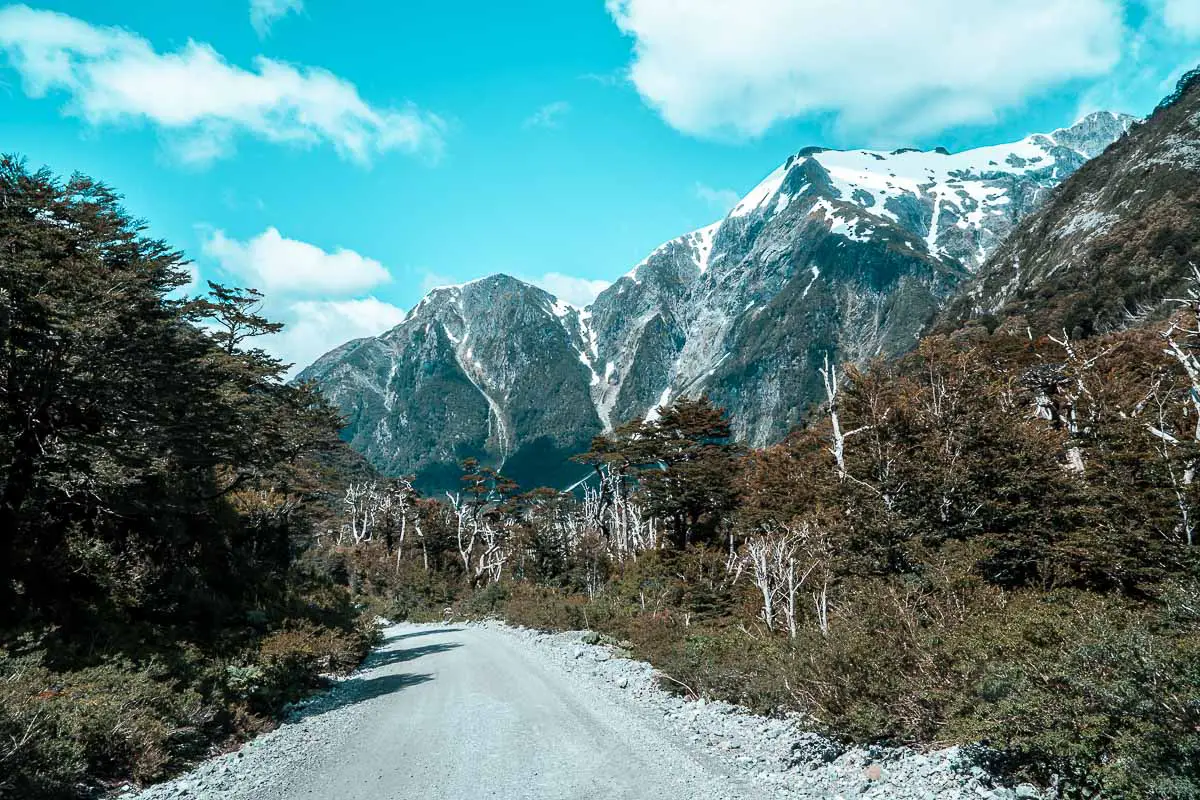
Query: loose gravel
pixel 747 754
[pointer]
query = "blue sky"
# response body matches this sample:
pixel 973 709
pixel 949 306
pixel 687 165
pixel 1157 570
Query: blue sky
pixel 345 157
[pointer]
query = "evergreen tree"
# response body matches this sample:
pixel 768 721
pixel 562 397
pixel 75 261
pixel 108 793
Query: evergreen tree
pixel 126 429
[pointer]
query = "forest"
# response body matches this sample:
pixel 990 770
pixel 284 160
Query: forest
pixel 990 542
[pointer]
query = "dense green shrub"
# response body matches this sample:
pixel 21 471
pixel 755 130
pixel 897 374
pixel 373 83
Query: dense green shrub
pixel 66 730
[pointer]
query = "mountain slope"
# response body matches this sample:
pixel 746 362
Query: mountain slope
pixel 846 253
pixel 1112 242
pixel 468 374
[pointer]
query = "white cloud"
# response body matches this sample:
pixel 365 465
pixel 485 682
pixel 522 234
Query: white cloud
pixel 1182 16
pixel 313 328
pixel 549 115
pixel 264 13
pixel 722 200
pixel 196 98
pixel 274 264
pixel 717 68
pixel 289 272
pixel 576 291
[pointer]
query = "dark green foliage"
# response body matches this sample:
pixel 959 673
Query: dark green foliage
pixel 682 463
pixel 155 475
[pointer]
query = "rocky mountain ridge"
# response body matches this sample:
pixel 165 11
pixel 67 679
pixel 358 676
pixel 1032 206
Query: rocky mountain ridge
pixel 1112 245
pixel 846 253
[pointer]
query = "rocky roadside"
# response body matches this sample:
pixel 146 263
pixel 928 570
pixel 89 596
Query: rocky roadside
pixel 777 754
pixel 250 772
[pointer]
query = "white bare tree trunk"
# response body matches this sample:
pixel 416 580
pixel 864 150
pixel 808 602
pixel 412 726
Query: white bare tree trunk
pixel 781 561
pixel 838 448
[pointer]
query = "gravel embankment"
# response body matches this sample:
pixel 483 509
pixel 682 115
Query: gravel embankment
pixel 778 755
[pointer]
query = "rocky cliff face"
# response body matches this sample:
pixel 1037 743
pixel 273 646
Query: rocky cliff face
pixel 845 253
pixel 494 369
pixel 1110 243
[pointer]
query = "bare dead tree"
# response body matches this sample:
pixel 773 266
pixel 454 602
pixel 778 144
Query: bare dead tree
pixel 363 505
pixel 465 532
pixel 481 541
pixel 838 448
pixel 404 496
pixel 610 511
pixel 783 561
pixel 1182 338
pixel 1180 478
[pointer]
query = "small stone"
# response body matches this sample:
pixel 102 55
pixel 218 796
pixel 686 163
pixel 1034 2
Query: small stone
pixel 1027 791
pixel 873 772
pixel 622 682
pixel 601 655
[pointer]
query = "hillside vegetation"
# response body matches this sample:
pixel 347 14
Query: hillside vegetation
pixel 991 542
pixel 156 481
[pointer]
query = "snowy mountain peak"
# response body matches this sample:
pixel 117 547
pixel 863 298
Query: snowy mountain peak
pixel 958 204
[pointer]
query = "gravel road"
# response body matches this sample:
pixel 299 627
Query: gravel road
pixel 488 711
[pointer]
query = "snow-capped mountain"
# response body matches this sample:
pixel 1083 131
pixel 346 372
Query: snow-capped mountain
pixel 849 253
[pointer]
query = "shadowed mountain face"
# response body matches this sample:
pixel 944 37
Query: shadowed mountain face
pixel 846 253
pixel 1111 243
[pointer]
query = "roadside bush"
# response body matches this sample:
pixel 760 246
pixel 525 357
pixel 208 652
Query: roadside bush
pixel 62 731
pixel 291 662
pixel 486 602
pixel 547 609
pixel 1114 711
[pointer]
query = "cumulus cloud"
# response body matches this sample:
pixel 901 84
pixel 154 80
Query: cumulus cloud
pixel 549 115
pixel 716 68
pixel 576 291
pixel 198 100
pixel 313 328
pixel 275 264
pixel 721 200
pixel 317 295
pixel 1182 16
pixel 264 13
